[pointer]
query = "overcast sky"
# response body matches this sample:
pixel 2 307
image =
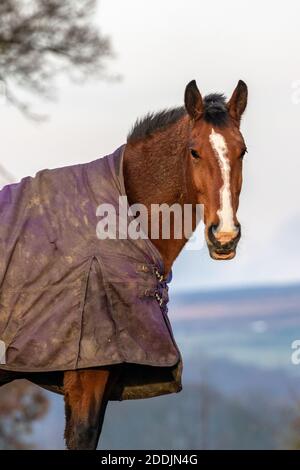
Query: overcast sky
pixel 160 46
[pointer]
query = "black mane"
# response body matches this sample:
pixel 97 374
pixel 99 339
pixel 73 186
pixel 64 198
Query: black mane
pixel 155 121
pixel 215 109
pixel 215 112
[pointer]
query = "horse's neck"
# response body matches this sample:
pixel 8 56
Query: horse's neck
pixel 156 172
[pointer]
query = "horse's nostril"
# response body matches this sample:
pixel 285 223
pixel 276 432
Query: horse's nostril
pixel 238 230
pixel 211 234
pixel 214 229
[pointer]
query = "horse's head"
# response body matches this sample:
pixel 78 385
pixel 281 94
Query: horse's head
pixel 217 149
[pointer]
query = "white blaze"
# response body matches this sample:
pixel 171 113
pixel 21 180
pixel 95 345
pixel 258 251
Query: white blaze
pixel 225 213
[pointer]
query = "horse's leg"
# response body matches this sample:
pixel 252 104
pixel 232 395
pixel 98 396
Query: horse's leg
pixel 86 396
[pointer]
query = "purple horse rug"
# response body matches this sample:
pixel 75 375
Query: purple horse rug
pixel 69 300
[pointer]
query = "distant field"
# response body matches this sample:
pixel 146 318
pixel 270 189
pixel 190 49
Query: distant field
pixel 249 326
pixel 240 387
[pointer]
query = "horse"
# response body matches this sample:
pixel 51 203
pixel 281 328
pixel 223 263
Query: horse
pixel 192 154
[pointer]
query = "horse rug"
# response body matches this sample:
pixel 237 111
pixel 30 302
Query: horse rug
pixel 69 300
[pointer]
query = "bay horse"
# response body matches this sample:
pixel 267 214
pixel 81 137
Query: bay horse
pixel 188 155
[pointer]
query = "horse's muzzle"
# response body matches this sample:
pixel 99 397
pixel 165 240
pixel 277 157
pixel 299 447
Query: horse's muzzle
pixel 222 245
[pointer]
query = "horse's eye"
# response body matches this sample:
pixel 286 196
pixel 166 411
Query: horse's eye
pixel 195 154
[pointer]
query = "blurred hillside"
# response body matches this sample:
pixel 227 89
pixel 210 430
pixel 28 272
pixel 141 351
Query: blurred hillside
pixel 240 391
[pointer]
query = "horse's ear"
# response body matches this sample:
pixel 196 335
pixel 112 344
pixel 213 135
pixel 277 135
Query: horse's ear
pixel 193 100
pixel 238 101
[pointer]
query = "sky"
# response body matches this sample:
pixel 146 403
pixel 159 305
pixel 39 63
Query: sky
pixel 159 47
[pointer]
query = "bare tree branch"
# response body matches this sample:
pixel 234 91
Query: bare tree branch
pixel 41 39
pixel 21 404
